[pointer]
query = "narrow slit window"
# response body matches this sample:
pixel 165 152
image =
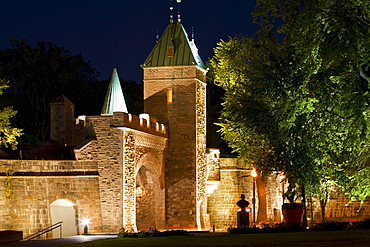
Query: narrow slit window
pixel 169 95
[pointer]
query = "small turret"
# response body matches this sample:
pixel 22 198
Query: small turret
pixel 114 100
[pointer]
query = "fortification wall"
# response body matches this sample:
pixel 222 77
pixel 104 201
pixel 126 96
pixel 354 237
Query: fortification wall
pixel 339 208
pixel 32 185
pixel 106 150
pixel 222 206
pixel 235 180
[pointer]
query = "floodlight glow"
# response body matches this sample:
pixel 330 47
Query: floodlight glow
pixel 85 221
pixel 253 173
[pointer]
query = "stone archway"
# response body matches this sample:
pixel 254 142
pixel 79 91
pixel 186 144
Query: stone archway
pixel 150 192
pixel 64 210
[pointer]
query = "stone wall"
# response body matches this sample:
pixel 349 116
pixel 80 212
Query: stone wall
pixel 222 206
pixel 100 183
pixel 107 152
pixel 34 185
pixel 201 162
pixel 235 180
pixel 339 208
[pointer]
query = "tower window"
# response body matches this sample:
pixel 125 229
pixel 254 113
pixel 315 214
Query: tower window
pixel 170 51
pixel 169 95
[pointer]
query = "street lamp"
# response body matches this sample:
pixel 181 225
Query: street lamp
pixel 254 176
pixel 85 222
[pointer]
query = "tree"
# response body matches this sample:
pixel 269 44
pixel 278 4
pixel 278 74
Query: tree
pixel 40 74
pixel 296 95
pixel 332 38
pixel 8 134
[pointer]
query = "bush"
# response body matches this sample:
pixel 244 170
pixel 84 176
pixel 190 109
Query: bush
pixel 123 233
pixel 175 233
pixel 151 232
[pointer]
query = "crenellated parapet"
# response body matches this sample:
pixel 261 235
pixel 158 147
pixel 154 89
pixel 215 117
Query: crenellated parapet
pixel 144 122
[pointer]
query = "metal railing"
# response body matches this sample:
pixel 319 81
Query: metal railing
pixel 45 230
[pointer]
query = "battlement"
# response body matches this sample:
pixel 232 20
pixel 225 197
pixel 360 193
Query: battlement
pixel 144 122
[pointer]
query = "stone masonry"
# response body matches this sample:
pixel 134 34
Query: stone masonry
pixel 120 142
pixel 35 184
pixel 140 172
pixel 185 156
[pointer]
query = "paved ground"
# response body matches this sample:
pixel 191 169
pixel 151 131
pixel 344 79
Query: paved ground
pixel 60 241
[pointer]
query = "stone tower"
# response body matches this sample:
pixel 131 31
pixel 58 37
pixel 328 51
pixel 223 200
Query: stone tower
pixel 64 128
pixel 62 121
pixel 175 92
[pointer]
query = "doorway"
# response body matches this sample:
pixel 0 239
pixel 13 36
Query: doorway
pixel 64 210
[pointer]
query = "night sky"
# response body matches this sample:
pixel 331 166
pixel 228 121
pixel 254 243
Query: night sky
pixel 93 27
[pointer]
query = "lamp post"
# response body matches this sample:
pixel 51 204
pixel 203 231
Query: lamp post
pixel 85 223
pixel 254 176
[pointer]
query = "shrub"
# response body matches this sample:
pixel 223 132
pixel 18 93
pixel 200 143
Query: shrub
pixel 123 233
pixel 175 233
pixel 151 232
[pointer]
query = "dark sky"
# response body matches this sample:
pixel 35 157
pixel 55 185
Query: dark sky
pixel 93 27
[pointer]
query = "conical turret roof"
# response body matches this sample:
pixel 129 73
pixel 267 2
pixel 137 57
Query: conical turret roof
pixel 174 49
pixel 114 100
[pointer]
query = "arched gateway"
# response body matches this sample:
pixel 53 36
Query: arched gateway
pixel 150 192
pixel 143 176
pixel 129 150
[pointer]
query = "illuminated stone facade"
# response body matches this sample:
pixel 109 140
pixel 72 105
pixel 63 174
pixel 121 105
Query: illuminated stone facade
pixel 123 143
pixel 36 184
pixel 186 152
pixel 146 171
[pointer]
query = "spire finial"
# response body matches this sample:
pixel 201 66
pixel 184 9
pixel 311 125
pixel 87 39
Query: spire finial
pixel 178 11
pixel 115 55
pixel 192 33
pixel 157 36
pixel 171 12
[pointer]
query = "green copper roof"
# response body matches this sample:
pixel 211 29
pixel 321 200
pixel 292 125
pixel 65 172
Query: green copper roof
pixel 114 100
pixel 174 49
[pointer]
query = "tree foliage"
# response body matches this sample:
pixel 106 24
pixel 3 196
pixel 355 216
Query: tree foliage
pixel 8 134
pixel 297 93
pixel 40 74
